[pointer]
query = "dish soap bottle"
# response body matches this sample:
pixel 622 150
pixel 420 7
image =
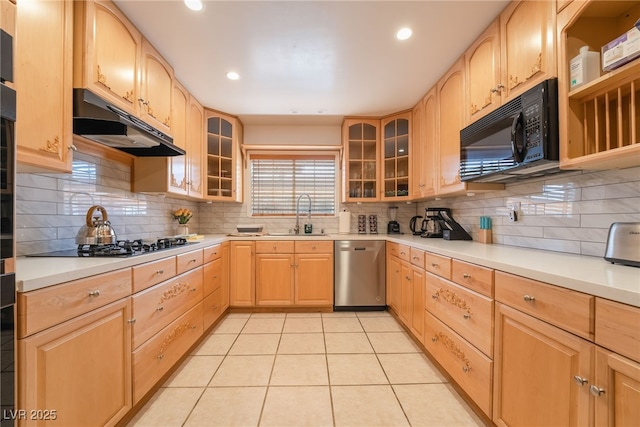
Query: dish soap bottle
pixel 584 67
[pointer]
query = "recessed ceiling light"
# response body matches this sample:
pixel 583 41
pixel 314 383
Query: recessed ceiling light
pixel 193 4
pixel 232 75
pixel 404 33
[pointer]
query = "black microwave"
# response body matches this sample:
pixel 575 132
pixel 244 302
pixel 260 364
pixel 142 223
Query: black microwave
pixel 517 140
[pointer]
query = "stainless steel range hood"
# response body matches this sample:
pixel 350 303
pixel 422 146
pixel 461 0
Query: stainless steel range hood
pixel 97 120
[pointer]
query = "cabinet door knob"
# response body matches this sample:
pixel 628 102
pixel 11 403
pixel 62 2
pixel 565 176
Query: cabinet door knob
pixel 160 308
pixel 466 368
pixel 467 316
pixel 581 381
pixel 529 298
pixel 596 391
pixel 434 339
pixel 95 293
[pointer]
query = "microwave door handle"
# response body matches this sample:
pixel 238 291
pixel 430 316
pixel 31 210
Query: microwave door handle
pixel 518 156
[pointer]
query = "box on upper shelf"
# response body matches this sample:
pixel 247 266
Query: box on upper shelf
pixel 622 50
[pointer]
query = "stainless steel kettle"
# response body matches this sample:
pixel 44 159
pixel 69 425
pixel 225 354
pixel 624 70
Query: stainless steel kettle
pixel 96 231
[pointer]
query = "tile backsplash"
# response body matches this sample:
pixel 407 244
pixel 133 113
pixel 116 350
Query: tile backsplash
pixel 569 212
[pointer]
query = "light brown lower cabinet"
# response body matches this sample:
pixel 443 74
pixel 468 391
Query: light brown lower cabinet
pixel 394 279
pixel 155 357
pixel 78 373
pixel 242 274
pixel 616 389
pixel 468 366
pixel 314 279
pixel 538 373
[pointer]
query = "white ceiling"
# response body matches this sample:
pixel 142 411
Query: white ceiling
pixel 337 57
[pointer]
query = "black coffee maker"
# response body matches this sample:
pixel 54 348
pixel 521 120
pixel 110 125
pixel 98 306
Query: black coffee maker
pixel 393 227
pixel 440 223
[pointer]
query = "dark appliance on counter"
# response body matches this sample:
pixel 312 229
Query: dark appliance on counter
pixel 98 120
pixel 120 248
pixel 393 226
pixel 432 221
pixel 441 224
pixel 517 140
pixel 415 226
pixel 7 230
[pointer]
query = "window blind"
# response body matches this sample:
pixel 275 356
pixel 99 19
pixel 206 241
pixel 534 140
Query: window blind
pixel 278 180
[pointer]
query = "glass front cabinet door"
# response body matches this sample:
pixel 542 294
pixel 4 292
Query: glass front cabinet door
pixel 395 152
pixel 361 143
pixel 223 158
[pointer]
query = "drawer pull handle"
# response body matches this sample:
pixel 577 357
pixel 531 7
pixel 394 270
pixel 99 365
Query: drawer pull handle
pixel 131 321
pixel 408 278
pixel 529 298
pixel 95 293
pixel 596 391
pixel 581 381
pixel 192 260
pixel 466 368
pixel 466 276
pixel 215 276
pixel 160 308
pixel 415 257
pixel 160 272
pixel 275 247
pixel 193 289
pixel 434 339
pixel 467 316
pixel 313 247
pixel 160 356
pixel 434 265
pixel 435 296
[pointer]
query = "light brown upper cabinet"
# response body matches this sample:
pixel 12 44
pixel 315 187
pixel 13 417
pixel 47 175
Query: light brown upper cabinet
pixel 43 78
pixel 115 62
pixel 361 142
pixel 396 168
pixel 424 149
pixel 450 120
pixel 156 86
pixel 527 45
pixel 598 120
pixel 108 49
pixel 179 175
pixel 450 93
pixel 223 158
pixel 484 87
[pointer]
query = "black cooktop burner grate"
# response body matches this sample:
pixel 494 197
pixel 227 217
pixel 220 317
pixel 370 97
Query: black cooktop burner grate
pixel 123 248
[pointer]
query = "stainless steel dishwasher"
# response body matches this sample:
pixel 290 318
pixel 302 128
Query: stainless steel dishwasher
pixel 360 281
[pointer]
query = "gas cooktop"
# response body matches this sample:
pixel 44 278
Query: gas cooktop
pixel 122 248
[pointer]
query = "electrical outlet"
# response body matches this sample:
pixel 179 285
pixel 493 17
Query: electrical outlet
pixel 513 215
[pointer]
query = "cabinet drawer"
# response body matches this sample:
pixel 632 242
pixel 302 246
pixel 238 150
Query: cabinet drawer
pixel 211 253
pixel 393 249
pixel 567 309
pixel 52 305
pixel 437 264
pixel 154 359
pixel 274 247
pixel 404 253
pixel 212 276
pixel 472 276
pixel 314 247
pixel 152 273
pixel 417 257
pixel 618 328
pixel 471 369
pixel 469 313
pixel 189 260
pixel 212 308
pixel 156 307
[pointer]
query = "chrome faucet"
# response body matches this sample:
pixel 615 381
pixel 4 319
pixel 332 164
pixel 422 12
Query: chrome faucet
pixel 296 229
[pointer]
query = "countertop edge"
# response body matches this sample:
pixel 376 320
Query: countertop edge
pixel 591 275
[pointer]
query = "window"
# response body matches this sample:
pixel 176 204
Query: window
pixel 277 180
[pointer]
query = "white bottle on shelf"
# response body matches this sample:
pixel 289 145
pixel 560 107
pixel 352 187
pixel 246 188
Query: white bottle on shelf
pixel 584 67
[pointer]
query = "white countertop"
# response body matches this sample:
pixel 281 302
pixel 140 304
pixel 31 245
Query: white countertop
pixel 591 275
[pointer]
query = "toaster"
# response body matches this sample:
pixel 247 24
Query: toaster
pixel 623 243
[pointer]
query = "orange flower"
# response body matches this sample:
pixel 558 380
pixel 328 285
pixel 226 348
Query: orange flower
pixel 182 215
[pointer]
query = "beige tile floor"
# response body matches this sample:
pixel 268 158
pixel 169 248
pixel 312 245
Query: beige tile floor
pixel 306 369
